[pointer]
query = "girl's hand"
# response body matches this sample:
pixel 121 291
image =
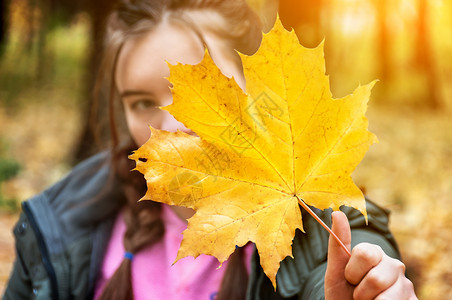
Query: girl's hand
pixel 368 274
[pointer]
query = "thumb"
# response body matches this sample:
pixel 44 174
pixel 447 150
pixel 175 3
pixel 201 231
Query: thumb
pixel 335 283
pixel 341 228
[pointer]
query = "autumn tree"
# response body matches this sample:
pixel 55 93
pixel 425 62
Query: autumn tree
pixel 425 58
pixel 384 40
pixel 3 25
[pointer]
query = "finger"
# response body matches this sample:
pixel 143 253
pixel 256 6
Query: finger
pixel 335 281
pixel 380 278
pixel 364 257
pixel 403 289
pixel 337 257
pixel 341 228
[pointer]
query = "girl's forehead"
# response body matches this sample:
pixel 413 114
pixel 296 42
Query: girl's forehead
pixel 147 55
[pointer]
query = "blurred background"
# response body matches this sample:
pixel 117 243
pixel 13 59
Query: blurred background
pixel 49 51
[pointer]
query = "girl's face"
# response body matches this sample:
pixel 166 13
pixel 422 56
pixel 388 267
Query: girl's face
pixel 142 68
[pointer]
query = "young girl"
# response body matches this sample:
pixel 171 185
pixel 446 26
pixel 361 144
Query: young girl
pixel 87 237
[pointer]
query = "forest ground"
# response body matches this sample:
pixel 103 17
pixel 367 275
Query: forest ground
pixel 409 171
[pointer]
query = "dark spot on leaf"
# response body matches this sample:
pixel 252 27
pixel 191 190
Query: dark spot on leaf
pixel 143 159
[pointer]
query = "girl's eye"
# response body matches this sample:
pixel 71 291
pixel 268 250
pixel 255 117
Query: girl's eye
pixel 143 104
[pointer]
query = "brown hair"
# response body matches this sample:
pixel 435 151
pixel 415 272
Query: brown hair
pixel 241 29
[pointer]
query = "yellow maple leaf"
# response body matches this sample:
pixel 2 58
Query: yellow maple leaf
pixel 258 154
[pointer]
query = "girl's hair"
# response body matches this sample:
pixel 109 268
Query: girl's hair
pixel 240 28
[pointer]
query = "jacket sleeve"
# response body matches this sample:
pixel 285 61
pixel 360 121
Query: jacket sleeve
pixel 303 276
pixel 28 279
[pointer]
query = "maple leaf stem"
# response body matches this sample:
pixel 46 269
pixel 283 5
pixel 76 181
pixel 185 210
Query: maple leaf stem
pixel 309 210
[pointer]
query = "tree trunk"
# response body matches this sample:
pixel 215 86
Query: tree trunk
pixel 384 41
pixel 4 11
pixel 45 67
pixel 425 59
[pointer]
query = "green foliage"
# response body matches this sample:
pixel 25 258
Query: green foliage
pixel 9 168
pixel 9 205
pixel 32 67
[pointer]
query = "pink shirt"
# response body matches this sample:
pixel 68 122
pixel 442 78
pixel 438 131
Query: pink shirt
pixel 154 276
